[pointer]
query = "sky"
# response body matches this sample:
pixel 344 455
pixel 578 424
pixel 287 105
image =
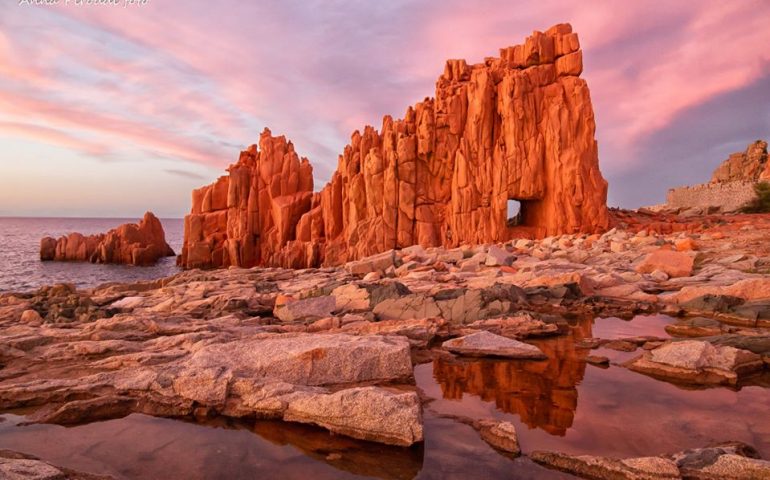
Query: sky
pixel 114 109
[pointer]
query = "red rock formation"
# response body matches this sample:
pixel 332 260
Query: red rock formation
pixel 750 165
pixel 131 244
pixel 246 218
pixel 519 127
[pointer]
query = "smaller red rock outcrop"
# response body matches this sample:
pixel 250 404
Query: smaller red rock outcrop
pixel 131 244
pixel 250 216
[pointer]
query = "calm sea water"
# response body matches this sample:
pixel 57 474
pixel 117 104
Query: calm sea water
pixel 21 268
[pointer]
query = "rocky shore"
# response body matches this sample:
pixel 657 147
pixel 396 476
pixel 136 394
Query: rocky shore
pixel 336 347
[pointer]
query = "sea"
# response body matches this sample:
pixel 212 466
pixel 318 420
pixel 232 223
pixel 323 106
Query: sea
pixel 21 269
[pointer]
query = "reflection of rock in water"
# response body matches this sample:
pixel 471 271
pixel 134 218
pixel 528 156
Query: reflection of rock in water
pixel 542 393
pixel 354 456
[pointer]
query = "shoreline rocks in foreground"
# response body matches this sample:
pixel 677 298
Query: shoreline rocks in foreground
pixel 336 347
pixel 19 466
pixel 129 244
pixel 726 461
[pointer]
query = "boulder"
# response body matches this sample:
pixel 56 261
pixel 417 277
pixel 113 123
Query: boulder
pixel 366 413
pixel 673 263
pixel 485 344
pixel 450 256
pixel 697 362
pixel 519 326
pixel 499 434
pixel 380 292
pixel 725 461
pixel 497 256
pixel 311 308
pixel 408 306
pixel 375 263
pixel 419 331
pixel 31 317
pixel 28 469
pixel 748 289
pixel 47 249
pixel 20 466
pixel 350 298
pixel 756 343
pixel 602 468
pixel 685 244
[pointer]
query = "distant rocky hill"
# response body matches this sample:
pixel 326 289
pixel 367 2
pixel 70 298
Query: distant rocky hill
pixel 750 165
pixel 515 129
pixel 732 185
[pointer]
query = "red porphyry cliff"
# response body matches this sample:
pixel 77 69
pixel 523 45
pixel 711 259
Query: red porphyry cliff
pixel 518 127
pixel 130 244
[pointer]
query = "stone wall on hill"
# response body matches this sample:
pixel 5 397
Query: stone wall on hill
pixel 727 197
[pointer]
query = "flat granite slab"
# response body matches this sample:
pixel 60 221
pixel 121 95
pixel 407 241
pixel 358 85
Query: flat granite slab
pixel 485 344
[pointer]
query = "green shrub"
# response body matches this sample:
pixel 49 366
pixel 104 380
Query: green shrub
pixel 761 204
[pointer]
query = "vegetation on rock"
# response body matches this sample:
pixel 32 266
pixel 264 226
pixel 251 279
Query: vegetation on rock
pixel 761 204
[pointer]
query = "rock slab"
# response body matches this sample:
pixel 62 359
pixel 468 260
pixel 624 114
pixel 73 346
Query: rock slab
pixel 698 362
pixel 485 344
pixel 367 413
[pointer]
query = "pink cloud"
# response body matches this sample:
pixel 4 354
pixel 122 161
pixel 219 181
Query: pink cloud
pixel 51 136
pixel 195 82
pixel 705 49
pixel 117 131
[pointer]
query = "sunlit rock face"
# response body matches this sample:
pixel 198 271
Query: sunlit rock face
pixel 248 217
pixel 518 127
pixel 750 165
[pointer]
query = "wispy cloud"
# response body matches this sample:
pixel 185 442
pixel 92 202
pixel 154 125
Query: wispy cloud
pixel 185 174
pixel 196 81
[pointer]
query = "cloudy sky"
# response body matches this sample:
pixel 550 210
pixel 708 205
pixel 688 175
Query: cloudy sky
pixel 113 110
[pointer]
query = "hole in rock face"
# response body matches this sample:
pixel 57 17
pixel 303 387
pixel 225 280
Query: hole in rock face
pixel 515 212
